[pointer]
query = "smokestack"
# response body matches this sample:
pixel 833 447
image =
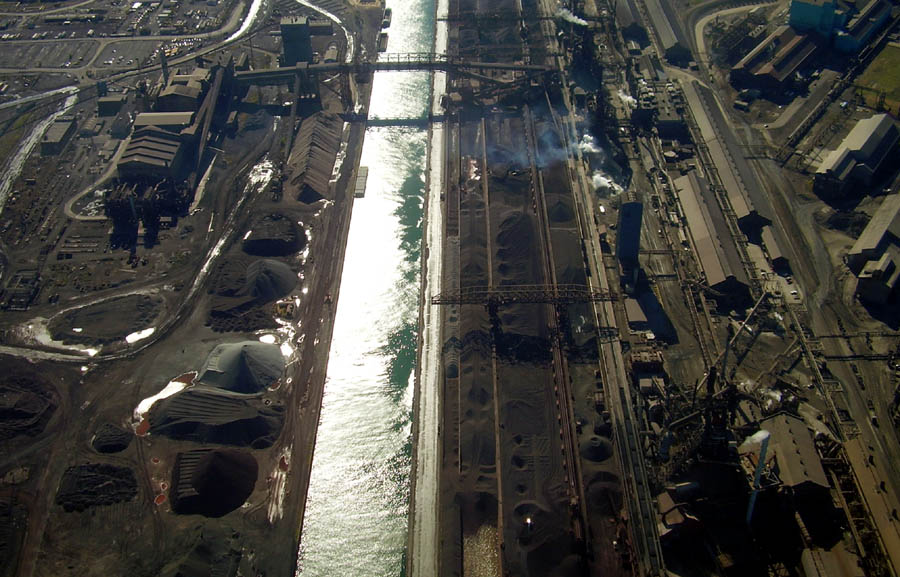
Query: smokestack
pixel 762 437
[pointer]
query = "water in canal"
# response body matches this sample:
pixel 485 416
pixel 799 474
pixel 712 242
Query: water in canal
pixel 358 501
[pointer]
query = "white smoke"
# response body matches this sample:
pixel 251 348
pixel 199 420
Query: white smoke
pixel 602 182
pixel 755 439
pixel 588 145
pixel 627 98
pixel 566 14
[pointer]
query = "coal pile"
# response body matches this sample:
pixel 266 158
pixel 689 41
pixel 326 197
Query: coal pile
pixel 274 235
pixel 111 439
pixel 26 406
pixel 210 415
pixel 95 484
pixel 245 367
pixel 212 482
pixel 107 322
pixel 268 280
pixel 596 449
pixel 241 290
pixel 213 556
pixel 13 519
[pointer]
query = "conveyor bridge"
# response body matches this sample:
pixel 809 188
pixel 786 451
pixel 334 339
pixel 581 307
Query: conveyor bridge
pixel 412 61
pixel 514 294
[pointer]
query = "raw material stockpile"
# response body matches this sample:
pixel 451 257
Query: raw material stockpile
pixel 212 482
pixel 210 415
pixel 226 408
pixel 94 484
pixel 242 291
pixel 111 439
pixel 245 367
pixel 274 235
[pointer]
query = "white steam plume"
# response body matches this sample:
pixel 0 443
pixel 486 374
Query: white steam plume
pixel 566 14
pixel 601 181
pixel 755 439
pixel 588 145
pixel 627 98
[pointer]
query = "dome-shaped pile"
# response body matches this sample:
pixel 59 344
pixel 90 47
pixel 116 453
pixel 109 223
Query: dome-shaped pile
pixel 268 280
pixel 244 367
pixel 212 483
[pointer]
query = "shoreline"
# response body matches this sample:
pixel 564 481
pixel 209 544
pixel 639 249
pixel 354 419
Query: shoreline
pixel 412 568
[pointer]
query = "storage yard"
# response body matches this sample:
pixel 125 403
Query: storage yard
pixel 668 316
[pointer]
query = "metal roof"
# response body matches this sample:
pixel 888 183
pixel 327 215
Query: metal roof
pixel 666 25
pixel 163 119
pixel 715 248
pixel 795 451
pixel 57 131
pixel 768 238
pixel 885 220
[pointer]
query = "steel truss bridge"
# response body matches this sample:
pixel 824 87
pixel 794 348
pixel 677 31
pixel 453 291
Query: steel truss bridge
pixel 413 61
pixel 514 294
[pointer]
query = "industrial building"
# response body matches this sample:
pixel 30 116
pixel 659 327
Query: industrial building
pixel 740 183
pixel 675 47
pixel 629 21
pixel 661 106
pixel 742 36
pixel 843 23
pixel 57 135
pixel 295 40
pixel 169 121
pixel 859 157
pixel 875 257
pixel 183 91
pixel 628 241
pixel 152 153
pixel 776 257
pixel 775 64
pixel 637 320
pixel 821 16
pixel 110 105
pixel 879 278
pixel 712 241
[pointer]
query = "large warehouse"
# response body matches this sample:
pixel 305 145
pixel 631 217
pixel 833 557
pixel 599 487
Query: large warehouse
pixel 875 257
pixel 871 142
pixel 712 240
pixel 675 46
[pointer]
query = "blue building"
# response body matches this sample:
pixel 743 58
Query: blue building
pixel 848 27
pixel 822 16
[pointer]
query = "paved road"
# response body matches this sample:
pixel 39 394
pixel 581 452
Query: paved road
pixel 234 22
pixel 66 8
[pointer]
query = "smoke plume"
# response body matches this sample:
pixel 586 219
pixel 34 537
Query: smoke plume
pixel 588 145
pixel 755 439
pixel 566 14
pixel 603 182
pixel 627 98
